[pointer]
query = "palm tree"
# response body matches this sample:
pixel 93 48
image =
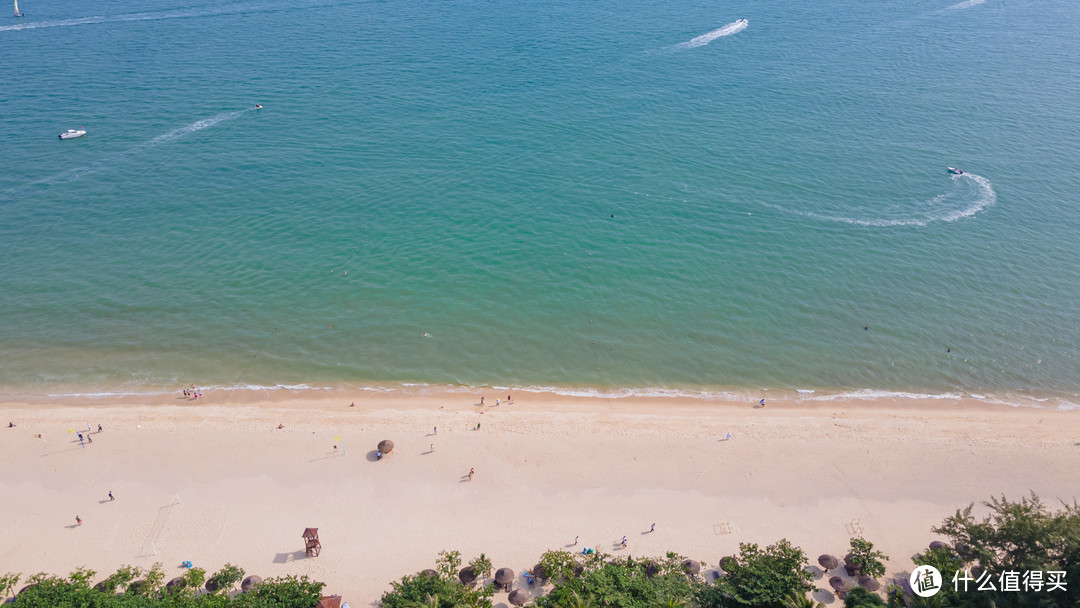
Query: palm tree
pixel 432 602
pixel 673 602
pixel 577 602
pixel 797 600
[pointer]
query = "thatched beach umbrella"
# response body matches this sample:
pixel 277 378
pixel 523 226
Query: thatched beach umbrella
pixel 175 585
pixel 869 583
pixel 937 544
pixel 428 572
pixel 579 570
pixel 691 567
pixel 211 585
pixel 539 573
pixel 386 446
pixel 250 582
pixel 827 562
pixel 727 563
pixel 839 586
pixel 467 575
pixel 504 577
pixel 136 587
pixel 651 569
pixel 850 565
pixel 519 597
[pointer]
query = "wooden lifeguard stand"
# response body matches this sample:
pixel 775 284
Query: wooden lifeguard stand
pixel 312 546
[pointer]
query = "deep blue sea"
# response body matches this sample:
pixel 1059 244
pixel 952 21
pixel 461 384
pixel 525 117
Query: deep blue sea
pixel 590 194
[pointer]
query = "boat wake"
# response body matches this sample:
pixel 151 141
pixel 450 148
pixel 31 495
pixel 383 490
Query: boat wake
pixel 702 40
pixel 941 208
pixel 193 127
pixel 966 4
pixel 155 16
pixel 73 174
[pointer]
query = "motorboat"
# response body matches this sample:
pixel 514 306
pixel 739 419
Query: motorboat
pixel 258 107
pixel 955 171
pixel 73 133
pixel 742 21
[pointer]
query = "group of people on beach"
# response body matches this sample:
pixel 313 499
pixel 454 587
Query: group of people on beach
pixel 192 393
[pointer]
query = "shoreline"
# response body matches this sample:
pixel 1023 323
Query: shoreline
pixel 253 471
pixel 143 394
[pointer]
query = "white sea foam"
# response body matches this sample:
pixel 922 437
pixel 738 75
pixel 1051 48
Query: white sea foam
pixel 966 4
pixel 984 197
pixel 33 25
pixel 195 126
pixel 702 40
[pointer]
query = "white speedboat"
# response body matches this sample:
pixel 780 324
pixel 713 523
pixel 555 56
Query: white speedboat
pixel 955 171
pixel 73 133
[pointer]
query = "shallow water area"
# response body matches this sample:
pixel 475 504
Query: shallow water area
pixel 563 196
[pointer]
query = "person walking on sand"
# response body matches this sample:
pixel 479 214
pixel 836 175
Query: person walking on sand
pixel 111 497
pixel 435 430
pixel 471 471
pixel 433 447
pixel 99 428
pixel 575 540
pixel 78 520
pixel 481 401
pixel 623 543
pixel 652 528
pixel 761 403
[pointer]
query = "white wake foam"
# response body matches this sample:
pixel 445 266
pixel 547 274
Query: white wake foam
pixel 75 173
pixel 153 16
pixel 702 40
pixel 195 126
pixel 33 25
pixel 966 4
pixel 984 198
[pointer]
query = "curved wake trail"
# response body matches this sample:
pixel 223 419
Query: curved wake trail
pixel 985 198
pixel 965 4
pixel 702 40
pixel 75 173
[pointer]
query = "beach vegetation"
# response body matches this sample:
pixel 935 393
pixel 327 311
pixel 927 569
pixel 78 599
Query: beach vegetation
pixel 866 559
pixel 193 579
pixel 1014 543
pixel 558 565
pixel 81 577
pixel 8 582
pixel 75 591
pixel 153 581
pixel 861 598
pixel 225 579
pixel 418 590
pixel 482 566
pixel 801 600
pixel 759 578
pixel 619 583
pixel 290 591
pixel 448 563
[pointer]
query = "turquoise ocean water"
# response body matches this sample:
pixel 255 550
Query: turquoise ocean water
pixel 602 194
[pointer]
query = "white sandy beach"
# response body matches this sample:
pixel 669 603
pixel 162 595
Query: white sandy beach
pixel 548 468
